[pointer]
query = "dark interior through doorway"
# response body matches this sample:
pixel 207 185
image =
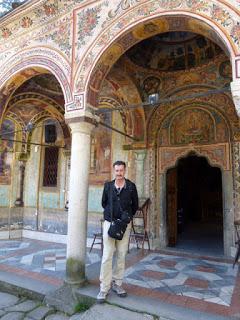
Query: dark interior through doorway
pixel 199 211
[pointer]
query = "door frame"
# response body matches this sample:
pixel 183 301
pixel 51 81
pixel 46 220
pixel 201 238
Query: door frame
pixel 168 158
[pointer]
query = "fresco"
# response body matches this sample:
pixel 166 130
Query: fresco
pixel 45 84
pixel 13 84
pixel 100 169
pixel 225 70
pixel 150 85
pixel 27 110
pixel 6 149
pixel 218 154
pixel 192 126
pixel 169 44
pixel 173 51
pixel 217 73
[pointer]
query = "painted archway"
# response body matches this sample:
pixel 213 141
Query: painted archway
pixel 213 145
pixel 39 60
pixel 142 21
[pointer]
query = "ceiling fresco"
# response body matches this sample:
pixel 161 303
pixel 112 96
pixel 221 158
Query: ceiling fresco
pixel 26 110
pixel 45 84
pixel 34 97
pixel 162 44
pixel 173 51
pixel 217 73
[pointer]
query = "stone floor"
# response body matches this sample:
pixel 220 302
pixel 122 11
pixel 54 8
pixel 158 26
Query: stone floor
pixel 13 307
pixel 205 280
pixel 196 282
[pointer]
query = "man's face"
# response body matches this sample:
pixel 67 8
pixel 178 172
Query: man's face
pixel 119 172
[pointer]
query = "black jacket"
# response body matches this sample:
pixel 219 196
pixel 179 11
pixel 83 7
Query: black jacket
pixel 126 200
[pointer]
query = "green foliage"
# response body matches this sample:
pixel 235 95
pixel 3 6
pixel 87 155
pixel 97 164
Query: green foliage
pixel 82 306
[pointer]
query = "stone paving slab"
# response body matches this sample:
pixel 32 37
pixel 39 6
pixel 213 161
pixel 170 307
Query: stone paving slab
pixel 25 306
pixel 2 313
pixel 57 316
pixel 150 305
pixel 13 316
pixel 40 313
pixel 7 300
pixel 109 312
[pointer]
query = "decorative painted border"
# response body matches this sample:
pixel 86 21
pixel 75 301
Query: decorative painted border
pixel 207 12
pixel 77 104
pixel 168 156
pixel 40 57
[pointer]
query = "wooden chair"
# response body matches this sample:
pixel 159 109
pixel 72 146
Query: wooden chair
pixel 139 231
pixel 98 236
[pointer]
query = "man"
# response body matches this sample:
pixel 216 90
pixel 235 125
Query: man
pixel 124 199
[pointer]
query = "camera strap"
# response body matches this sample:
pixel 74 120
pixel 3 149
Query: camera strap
pixel 111 200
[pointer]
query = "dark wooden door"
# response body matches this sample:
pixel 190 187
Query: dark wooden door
pixel 172 206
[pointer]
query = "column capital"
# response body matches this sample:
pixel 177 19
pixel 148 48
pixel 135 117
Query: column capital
pixel 235 89
pixel 84 127
pixel 82 121
pixel 140 154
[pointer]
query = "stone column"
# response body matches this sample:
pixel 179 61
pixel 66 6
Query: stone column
pixel 78 200
pixel 139 160
pixel 19 201
pixel 235 88
pixel 228 212
pixel 162 207
pixel 236 178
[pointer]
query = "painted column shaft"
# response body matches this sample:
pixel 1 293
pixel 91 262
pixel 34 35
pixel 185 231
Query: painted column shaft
pixel 236 179
pixel 235 89
pixel 21 175
pixel 228 212
pixel 162 207
pixel 78 201
pixel 139 160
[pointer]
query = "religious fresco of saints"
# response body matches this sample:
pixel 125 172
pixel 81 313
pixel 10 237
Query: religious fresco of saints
pixel 225 70
pixel 173 51
pixel 150 86
pixel 100 170
pixel 192 126
pixel 6 148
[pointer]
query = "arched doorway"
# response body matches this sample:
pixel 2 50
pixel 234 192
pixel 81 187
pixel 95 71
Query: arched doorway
pixel 195 206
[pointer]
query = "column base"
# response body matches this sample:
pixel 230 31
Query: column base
pixel 75 272
pixel 67 300
pixel 18 203
pixel 76 283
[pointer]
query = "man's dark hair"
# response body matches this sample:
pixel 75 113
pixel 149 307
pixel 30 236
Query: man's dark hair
pixel 119 163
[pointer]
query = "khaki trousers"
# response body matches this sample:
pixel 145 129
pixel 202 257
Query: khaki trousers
pixel 109 272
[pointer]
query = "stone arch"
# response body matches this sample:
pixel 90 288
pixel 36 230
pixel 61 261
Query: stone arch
pixel 37 97
pixel 118 37
pixel 44 59
pixel 51 109
pixel 134 118
pixel 217 156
